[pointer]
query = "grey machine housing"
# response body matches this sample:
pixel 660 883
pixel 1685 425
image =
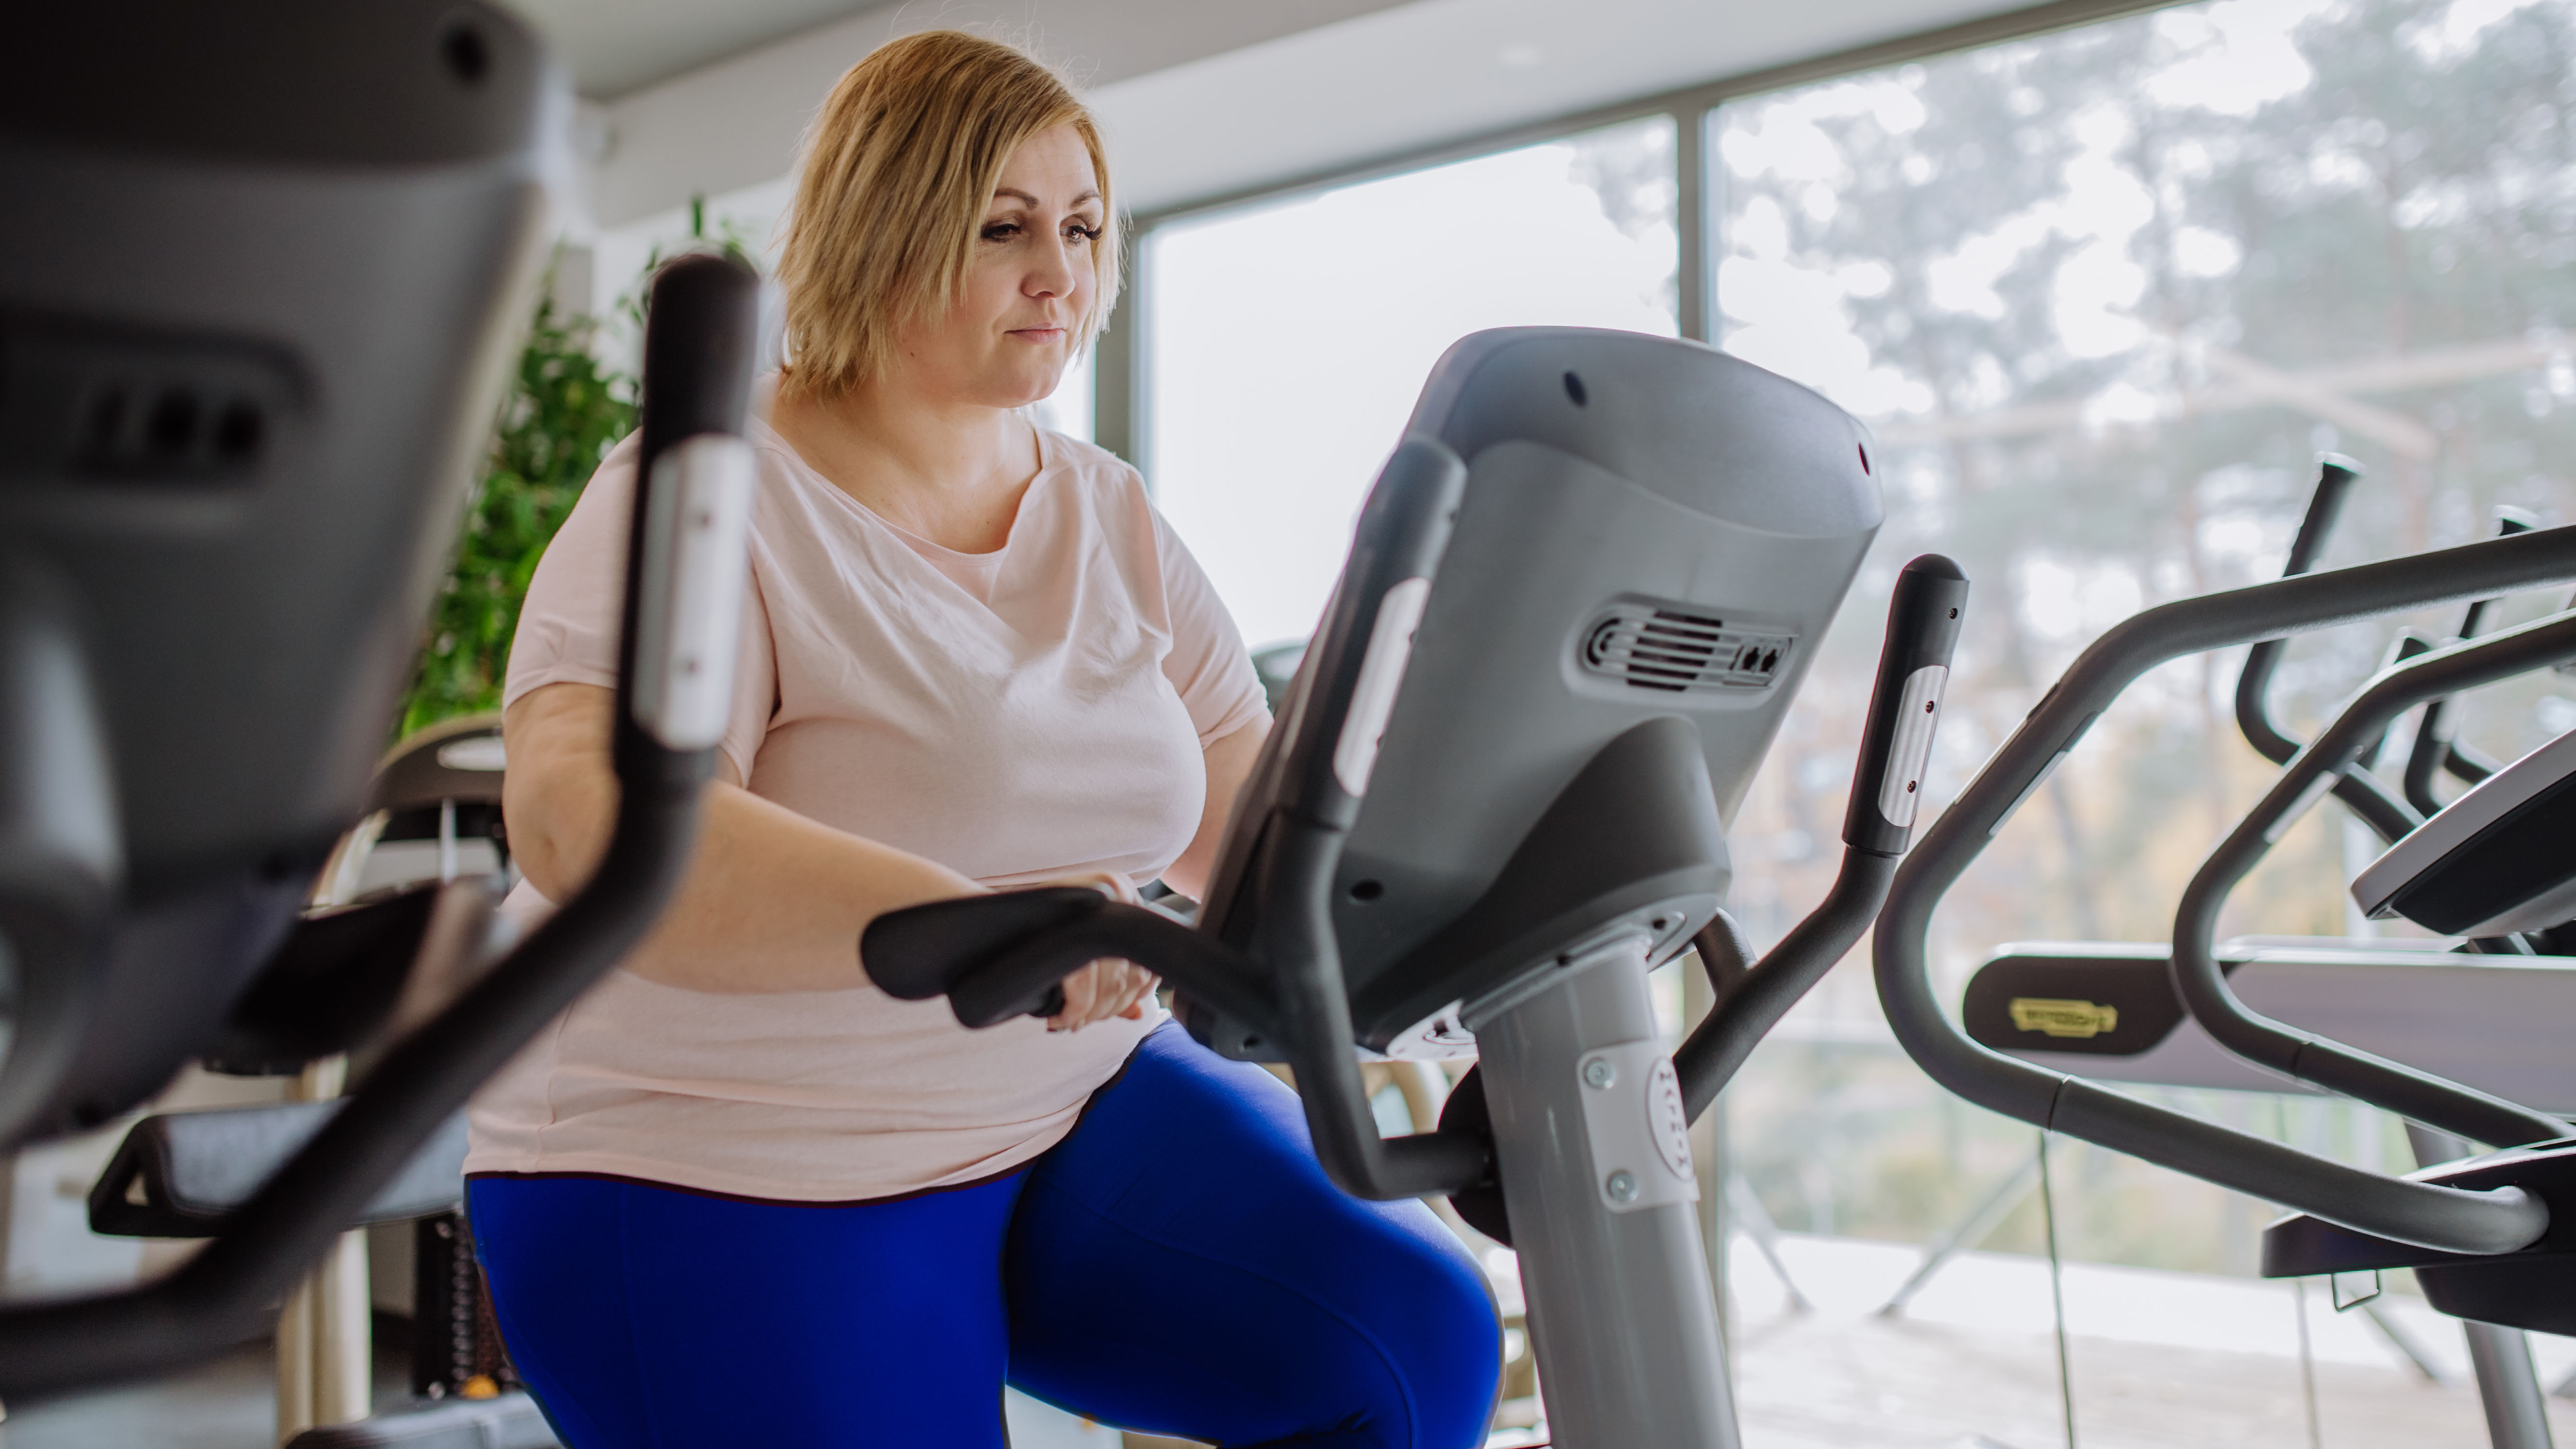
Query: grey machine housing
pixel 1651 541
pixel 2499 859
pixel 257 303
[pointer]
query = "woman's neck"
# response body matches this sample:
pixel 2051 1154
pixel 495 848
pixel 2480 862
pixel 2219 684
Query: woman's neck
pixel 950 472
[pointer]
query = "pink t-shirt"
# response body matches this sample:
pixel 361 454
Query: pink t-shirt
pixel 1015 716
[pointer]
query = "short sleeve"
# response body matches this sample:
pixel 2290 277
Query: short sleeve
pixel 1208 665
pixel 568 625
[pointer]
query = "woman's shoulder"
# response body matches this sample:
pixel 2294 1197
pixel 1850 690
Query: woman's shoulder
pixel 1112 492
pixel 1097 467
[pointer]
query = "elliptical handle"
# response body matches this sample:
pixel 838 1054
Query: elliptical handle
pixel 2335 476
pixel 1923 619
pixel 2379 808
pixel 2437 745
pixel 2201 981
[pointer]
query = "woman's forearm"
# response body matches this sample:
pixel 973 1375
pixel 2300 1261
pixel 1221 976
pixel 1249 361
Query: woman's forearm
pixel 772 901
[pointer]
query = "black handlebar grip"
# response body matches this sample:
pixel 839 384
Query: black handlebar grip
pixel 2335 476
pixel 2509 521
pixel 700 336
pixel 926 951
pixel 1905 705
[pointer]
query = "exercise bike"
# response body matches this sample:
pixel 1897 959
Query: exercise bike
pixel 1579 601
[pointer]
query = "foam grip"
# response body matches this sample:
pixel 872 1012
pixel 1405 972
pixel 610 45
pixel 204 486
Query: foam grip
pixel 930 950
pixel 701 336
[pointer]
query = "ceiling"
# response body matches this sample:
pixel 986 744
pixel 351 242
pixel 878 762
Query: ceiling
pixel 616 47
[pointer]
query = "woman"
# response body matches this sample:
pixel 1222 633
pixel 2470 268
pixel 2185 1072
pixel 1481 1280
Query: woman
pixel 739 1196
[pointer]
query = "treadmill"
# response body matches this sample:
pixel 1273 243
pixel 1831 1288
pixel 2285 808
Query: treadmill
pixel 1577 607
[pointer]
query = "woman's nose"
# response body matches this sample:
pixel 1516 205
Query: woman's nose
pixel 1053 274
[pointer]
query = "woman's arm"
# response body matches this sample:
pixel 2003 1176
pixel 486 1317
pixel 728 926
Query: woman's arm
pixel 772 901
pixel 1229 764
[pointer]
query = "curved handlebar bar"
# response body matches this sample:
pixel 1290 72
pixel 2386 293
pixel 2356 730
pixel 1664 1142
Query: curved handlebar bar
pixel 2423 1214
pixel 2419 1096
pixel 1923 614
pixel 2335 476
pixel 2436 744
pixel 1000 956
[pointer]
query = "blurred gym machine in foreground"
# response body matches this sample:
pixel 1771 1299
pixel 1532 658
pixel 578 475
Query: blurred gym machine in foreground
pixel 258 293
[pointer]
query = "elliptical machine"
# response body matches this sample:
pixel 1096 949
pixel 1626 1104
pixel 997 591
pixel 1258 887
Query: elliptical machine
pixel 2492 1238
pixel 2496 867
pixel 1580 599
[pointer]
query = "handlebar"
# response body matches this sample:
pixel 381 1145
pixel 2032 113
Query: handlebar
pixel 2205 992
pixel 2388 816
pixel 2437 746
pixel 2426 1215
pixel 1913 670
pixel 698 352
pixel 1004 955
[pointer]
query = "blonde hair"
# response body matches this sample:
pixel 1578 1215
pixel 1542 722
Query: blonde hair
pixel 899 169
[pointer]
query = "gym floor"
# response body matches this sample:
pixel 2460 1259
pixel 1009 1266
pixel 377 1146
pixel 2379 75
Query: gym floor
pixel 2166 1360
pixel 230 1403
pixel 2159 1359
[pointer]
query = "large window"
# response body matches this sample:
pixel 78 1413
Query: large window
pixel 2102 295
pixel 1287 342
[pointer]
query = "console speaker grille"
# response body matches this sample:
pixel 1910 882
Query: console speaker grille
pixel 1678 650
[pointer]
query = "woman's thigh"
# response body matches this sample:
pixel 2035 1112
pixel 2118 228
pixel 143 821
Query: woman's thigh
pixel 653 1318
pixel 1181 1265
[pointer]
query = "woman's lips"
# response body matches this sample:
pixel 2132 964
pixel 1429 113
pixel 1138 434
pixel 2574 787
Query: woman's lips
pixel 1038 334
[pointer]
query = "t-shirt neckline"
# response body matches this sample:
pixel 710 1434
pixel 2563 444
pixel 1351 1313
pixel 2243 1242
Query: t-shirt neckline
pixel 1050 462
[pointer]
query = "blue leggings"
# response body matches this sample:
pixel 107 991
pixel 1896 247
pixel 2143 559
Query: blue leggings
pixel 1178 1265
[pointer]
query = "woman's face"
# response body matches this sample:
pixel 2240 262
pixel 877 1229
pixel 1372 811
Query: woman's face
pixel 1029 279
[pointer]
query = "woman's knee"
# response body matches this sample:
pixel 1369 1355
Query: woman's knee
pixel 1432 1344
pixel 1449 1347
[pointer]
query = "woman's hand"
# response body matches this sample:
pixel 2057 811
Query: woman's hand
pixel 1107 987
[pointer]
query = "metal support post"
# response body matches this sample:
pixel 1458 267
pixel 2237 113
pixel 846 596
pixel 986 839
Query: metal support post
pixel 1714 1165
pixel 1597 1176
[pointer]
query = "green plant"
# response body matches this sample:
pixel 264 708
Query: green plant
pixel 564 411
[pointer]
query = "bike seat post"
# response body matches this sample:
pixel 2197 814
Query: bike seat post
pixel 1598 1181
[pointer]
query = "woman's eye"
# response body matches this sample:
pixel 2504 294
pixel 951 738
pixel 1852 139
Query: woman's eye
pixel 1082 232
pixel 1001 231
